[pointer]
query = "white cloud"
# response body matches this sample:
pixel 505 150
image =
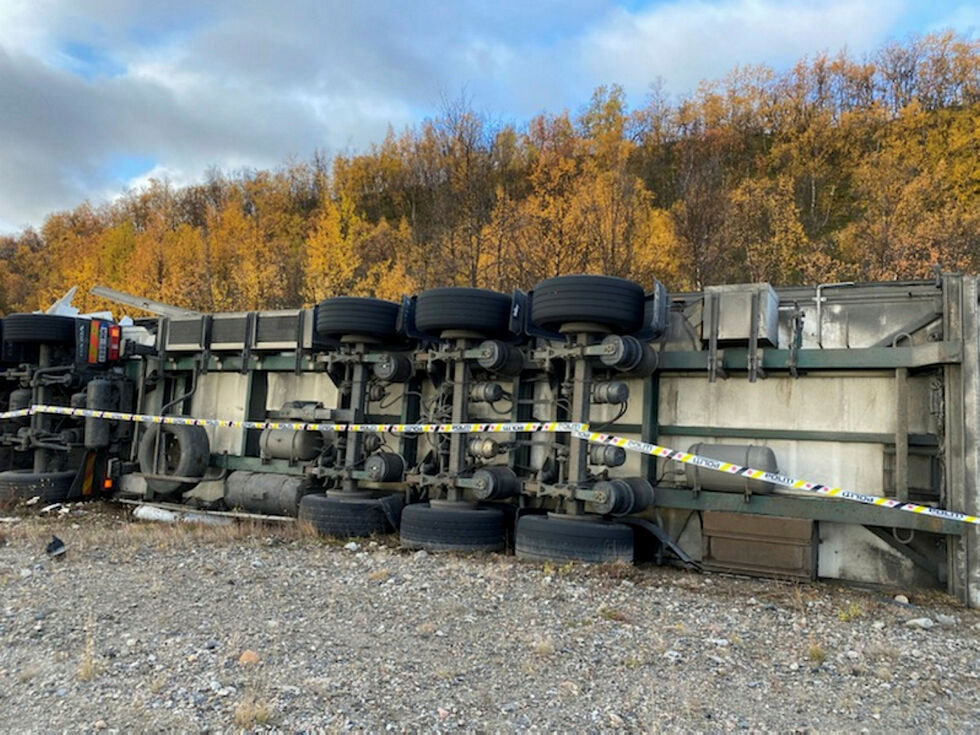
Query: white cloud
pixel 963 18
pixel 685 42
pixel 252 84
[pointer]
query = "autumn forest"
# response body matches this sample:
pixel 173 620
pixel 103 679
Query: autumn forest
pixel 837 169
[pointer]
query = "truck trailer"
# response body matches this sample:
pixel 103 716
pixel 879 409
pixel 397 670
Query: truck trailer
pixel 802 432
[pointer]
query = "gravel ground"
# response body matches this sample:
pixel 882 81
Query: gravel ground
pixel 152 627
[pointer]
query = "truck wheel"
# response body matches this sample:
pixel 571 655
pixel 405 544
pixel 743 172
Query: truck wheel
pixel 52 487
pixel 346 315
pixel 185 452
pixel 469 309
pixel 39 328
pixel 551 538
pixel 448 528
pixel 612 302
pixel 335 515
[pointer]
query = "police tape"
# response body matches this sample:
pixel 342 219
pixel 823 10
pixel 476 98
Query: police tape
pixel 656 450
pixel 19 413
pixel 578 430
pixel 558 427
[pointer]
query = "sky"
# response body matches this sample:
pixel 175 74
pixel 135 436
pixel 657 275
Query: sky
pixel 100 96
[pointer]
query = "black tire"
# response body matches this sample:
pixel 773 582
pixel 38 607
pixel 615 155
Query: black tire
pixel 346 315
pixel 445 528
pixel 19 485
pixel 39 328
pixel 186 453
pixel 612 302
pixel 335 515
pixel 546 538
pixel 469 309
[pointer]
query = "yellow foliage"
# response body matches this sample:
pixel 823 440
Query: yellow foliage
pixel 836 169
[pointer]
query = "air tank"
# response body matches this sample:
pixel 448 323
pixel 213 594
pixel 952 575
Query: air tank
pixel 266 493
pixel 743 455
pixel 289 444
pixel 99 397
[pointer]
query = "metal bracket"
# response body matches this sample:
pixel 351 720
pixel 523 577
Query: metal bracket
pixel 754 358
pixel 251 319
pixel 715 356
pixel 796 340
pixel 206 342
pixel 935 567
pixel 300 352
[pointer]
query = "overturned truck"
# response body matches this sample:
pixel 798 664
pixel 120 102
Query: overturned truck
pixel 590 419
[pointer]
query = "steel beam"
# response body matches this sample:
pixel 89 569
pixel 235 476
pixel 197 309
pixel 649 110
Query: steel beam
pixel 962 453
pixel 736 358
pixel 850 437
pixel 254 464
pixel 815 508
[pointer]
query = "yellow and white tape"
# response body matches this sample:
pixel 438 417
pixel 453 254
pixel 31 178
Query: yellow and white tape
pixel 733 469
pixel 557 427
pixel 578 430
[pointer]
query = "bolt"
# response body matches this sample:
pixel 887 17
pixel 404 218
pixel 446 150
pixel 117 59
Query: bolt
pixel 610 348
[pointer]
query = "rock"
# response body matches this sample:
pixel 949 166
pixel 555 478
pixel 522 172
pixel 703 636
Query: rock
pixel 420 554
pixel 99 725
pixel 947 621
pixel 248 657
pixel 443 713
pixel 352 546
pixel 615 721
pixel 720 642
pixel 673 656
pixel 922 623
pixel 902 599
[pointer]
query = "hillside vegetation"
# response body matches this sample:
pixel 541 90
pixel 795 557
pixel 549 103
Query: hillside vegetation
pixel 836 169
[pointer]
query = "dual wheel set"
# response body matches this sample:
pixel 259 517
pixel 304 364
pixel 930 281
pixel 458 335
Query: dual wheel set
pixel 446 323
pixel 466 528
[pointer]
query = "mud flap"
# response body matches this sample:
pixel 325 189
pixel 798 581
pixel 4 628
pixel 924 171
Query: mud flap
pixel 391 506
pixel 640 525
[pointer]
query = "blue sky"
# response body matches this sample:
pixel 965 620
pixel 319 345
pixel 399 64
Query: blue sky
pixel 97 96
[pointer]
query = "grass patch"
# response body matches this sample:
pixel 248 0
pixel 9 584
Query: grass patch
pixel 88 666
pixel 543 646
pixel 853 611
pixel 252 711
pixel 101 524
pixel 816 653
pixel 613 613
